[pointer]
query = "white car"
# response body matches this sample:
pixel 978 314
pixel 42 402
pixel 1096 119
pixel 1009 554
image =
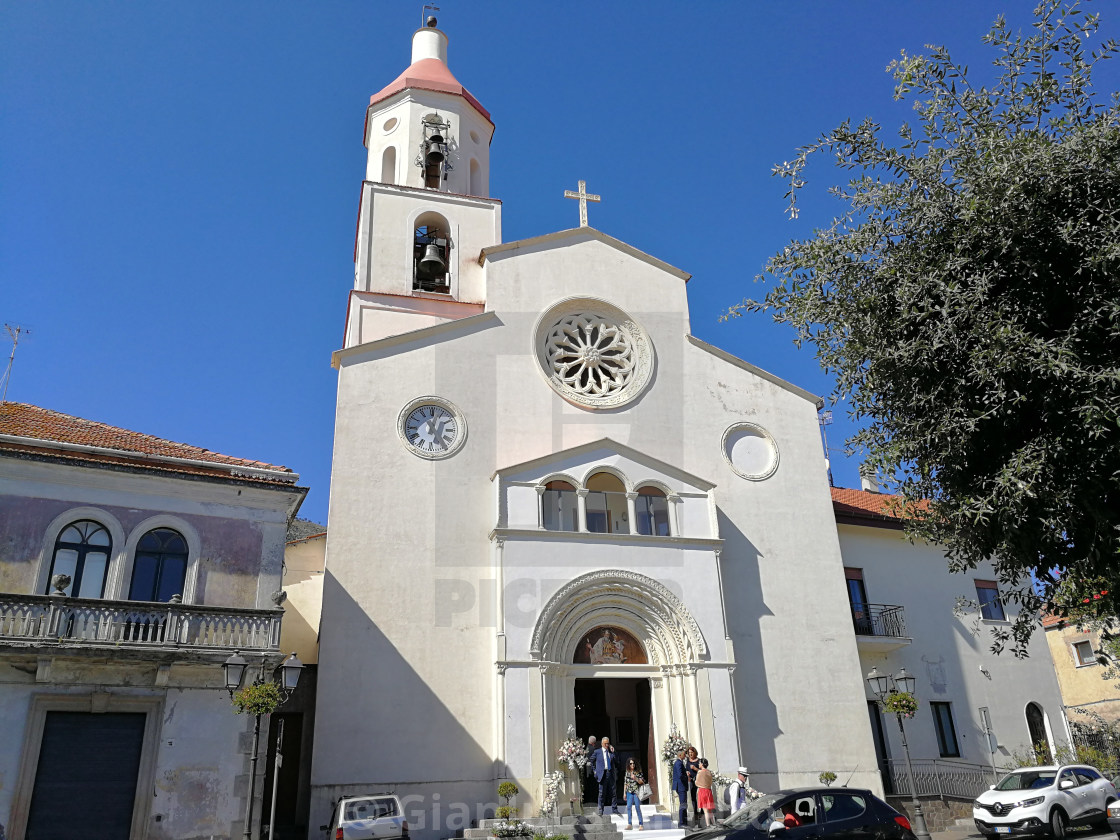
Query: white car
pixel 370 817
pixel 1044 800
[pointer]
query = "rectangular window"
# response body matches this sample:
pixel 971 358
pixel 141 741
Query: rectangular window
pixel 946 732
pixel 1083 653
pixel 991 607
pixel 857 600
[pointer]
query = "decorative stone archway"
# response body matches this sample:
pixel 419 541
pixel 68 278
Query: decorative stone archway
pixel 679 668
pixel 645 607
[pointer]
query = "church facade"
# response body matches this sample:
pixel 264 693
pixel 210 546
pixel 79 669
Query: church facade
pixel 552 506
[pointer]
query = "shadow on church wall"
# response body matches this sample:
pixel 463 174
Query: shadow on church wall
pixel 745 607
pixel 381 728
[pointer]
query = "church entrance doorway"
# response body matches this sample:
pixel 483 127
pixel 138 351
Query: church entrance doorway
pixel 620 709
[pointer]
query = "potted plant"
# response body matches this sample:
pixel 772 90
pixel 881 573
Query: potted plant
pixel 509 827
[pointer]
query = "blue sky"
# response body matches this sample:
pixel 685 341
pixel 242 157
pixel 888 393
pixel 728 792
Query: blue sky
pixel 180 180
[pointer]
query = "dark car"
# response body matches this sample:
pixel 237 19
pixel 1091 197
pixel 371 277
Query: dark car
pixel 800 813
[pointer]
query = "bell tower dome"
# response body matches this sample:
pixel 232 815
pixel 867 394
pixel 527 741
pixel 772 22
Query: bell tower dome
pixel 426 211
pixel 425 129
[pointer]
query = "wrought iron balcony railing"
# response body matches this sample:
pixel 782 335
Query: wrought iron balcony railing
pixel 879 620
pixel 39 619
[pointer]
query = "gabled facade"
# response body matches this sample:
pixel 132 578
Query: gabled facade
pixel 131 568
pixel 552 506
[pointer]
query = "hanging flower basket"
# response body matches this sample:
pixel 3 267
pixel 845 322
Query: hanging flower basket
pixel 257 699
pixel 901 703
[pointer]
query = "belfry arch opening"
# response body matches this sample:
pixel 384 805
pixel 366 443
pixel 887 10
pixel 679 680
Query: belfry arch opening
pixel 389 166
pixel 431 254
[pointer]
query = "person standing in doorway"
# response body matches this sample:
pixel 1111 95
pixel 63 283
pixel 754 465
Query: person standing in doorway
pixel 680 787
pixel 591 787
pixel 607 776
pixel 704 797
pixel 634 780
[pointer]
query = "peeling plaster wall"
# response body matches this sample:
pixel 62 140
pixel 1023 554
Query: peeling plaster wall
pixel 201 768
pixel 241 540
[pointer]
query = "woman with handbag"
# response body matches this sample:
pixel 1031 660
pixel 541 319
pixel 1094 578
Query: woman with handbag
pixel 634 780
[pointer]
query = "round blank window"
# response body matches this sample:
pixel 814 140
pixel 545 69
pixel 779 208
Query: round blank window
pixel 750 450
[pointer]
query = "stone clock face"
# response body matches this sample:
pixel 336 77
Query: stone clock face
pixel 432 427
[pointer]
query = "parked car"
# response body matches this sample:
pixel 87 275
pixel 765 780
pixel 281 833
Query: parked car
pixel 1114 812
pixel 369 817
pixel 800 813
pixel 1044 800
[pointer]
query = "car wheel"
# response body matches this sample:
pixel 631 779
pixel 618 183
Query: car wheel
pixel 1058 824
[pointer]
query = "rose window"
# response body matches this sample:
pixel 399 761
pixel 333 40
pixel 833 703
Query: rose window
pixel 592 353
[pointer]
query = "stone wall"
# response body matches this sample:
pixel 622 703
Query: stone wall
pixel 940 814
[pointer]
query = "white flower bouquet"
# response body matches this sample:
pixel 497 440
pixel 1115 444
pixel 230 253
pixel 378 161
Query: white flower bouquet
pixel 573 752
pixel 673 745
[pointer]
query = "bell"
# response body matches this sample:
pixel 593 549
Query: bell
pixel 433 152
pixel 432 265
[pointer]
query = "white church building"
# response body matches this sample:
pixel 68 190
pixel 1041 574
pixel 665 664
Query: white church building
pixel 552 505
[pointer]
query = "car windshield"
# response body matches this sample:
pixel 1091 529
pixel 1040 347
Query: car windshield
pixel 1027 780
pixel 368 809
pixel 755 812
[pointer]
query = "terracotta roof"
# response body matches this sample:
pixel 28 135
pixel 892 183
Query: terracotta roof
pixel 20 420
pixel 428 74
pixel 851 506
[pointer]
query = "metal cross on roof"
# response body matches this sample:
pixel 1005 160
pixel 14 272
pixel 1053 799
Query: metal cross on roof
pixel 584 196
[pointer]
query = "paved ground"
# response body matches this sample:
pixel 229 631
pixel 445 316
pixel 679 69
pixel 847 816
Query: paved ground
pixel 968 832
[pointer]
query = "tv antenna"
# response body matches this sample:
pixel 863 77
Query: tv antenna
pixel 15 332
pixel 825 420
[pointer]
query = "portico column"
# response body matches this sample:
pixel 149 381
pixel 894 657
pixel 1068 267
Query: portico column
pixel 674 514
pixel 581 507
pixel 632 510
pixel 692 701
pixel 540 505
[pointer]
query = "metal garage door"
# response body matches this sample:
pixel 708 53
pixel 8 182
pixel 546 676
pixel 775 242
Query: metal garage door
pixel 85 783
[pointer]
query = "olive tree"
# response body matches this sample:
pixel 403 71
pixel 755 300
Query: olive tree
pixel 967 302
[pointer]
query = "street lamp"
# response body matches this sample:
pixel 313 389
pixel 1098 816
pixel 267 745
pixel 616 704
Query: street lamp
pixel 882 686
pixel 235 667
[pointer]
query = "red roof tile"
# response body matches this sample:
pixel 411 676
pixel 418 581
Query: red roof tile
pixel 849 504
pixel 31 421
pixel 428 74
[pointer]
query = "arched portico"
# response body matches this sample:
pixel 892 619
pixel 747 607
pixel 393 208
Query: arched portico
pixel 685 687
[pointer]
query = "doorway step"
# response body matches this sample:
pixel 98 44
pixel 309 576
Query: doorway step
pixel 659 825
pixel 577 828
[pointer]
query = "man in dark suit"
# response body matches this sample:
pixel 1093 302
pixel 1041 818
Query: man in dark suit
pixel 603 762
pixel 680 788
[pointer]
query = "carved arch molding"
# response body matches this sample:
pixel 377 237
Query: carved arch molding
pixel 640 604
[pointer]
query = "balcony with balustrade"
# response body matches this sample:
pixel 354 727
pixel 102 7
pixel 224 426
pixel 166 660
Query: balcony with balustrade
pixel 880 627
pixel 63 625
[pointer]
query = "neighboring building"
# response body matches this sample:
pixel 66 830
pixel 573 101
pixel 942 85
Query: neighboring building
pixel 1075 653
pixel 551 505
pixel 303 602
pixel 976 707
pixel 131 568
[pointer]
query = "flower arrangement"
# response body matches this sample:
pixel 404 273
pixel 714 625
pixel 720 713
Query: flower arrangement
pixel 260 698
pixel 553 783
pixel 508 827
pixel 673 745
pixel 901 703
pixel 516 828
pixel 573 752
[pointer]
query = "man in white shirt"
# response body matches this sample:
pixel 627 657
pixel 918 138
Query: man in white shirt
pixel 737 790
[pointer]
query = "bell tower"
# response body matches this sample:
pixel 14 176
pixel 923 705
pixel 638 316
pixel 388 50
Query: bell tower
pixel 425 212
